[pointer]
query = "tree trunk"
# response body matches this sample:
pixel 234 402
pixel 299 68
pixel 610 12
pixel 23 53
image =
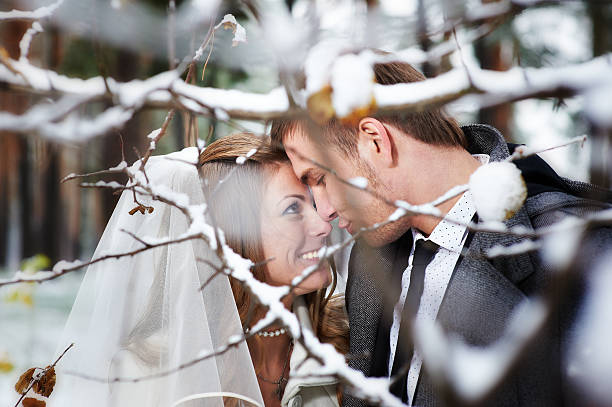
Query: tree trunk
pixel 492 55
pixel 12 152
pixel 601 148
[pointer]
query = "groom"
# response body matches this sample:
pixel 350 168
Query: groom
pixel 424 267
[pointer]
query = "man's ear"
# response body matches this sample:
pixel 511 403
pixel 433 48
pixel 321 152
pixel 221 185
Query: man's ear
pixel 375 143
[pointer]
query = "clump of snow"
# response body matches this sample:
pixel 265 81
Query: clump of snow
pixel 398 213
pixel 105 184
pixel 119 167
pixel 134 93
pixel 518 248
pixel 229 22
pixel 498 190
pixel 590 360
pixel 24 44
pixel 221 114
pixel 232 100
pixel 319 63
pixel 491 226
pixel 69 177
pixel 73 128
pixel 63 265
pixel 242 159
pixel 153 135
pixel 39 13
pixel 425 209
pixel 359 182
pixel 352 81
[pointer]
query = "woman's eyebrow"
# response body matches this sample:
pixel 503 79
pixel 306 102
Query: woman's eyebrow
pixel 298 196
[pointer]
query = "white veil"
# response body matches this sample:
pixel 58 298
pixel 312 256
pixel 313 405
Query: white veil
pixel 144 314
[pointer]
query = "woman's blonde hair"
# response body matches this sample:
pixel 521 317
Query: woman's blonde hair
pixel 234 193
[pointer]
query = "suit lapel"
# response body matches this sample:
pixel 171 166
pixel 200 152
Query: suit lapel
pixel 370 271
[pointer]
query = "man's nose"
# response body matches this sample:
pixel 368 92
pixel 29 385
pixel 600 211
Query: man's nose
pixel 324 208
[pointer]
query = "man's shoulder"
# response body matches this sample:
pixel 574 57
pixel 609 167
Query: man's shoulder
pixel 551 206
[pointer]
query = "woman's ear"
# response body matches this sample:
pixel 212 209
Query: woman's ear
pixel 375 143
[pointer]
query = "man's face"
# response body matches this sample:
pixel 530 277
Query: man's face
pixel 354 208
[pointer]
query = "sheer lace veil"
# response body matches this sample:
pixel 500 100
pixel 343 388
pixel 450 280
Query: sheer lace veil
pixel 144 314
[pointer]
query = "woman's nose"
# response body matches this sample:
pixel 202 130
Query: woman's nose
pixel 317 227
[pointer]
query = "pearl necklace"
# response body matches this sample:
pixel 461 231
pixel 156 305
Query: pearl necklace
pixel 276 332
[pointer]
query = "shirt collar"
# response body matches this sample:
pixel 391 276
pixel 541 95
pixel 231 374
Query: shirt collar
pixel 448 234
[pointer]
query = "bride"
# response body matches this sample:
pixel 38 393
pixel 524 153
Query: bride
pixel 140 321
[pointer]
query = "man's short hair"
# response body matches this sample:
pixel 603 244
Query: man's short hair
pixel 431 126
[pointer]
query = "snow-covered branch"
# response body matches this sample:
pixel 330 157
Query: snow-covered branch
pixel 167 90
pixel 493 87
pixel 38 14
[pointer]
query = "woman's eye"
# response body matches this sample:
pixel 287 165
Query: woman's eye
pixel 321 180
pixel 292 209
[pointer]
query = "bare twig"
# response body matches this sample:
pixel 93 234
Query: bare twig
pixel 524 152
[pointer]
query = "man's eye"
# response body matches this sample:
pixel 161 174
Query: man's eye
pixel 292 209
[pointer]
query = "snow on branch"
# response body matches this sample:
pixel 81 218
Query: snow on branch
pixel 24 44
pixel 499 87
pixel 39 13
pixel 488 10
pixel 166 89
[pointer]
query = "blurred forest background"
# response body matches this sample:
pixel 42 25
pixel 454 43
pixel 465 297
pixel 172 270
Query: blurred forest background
pixel 43 220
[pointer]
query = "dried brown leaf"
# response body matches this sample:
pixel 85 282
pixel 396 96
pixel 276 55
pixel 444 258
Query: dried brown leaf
pixel 24 380
pixel 32 402
pixel 320 105
pixel 353 118
pixel 44 385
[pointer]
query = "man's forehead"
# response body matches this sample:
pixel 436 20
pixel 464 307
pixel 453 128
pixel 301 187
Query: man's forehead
pixel 299 143
pixel 302 152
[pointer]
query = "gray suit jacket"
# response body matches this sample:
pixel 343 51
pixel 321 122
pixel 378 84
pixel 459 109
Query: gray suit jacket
pixel 481 294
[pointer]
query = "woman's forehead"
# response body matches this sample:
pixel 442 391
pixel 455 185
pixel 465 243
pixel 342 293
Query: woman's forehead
pixel 283 181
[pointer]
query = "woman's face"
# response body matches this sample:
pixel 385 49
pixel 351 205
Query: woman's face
pixel 292 232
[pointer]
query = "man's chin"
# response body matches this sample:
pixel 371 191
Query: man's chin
pixel 375 239
pixel 383 236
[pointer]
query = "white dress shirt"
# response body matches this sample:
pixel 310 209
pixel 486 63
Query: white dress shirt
pixel 450 237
